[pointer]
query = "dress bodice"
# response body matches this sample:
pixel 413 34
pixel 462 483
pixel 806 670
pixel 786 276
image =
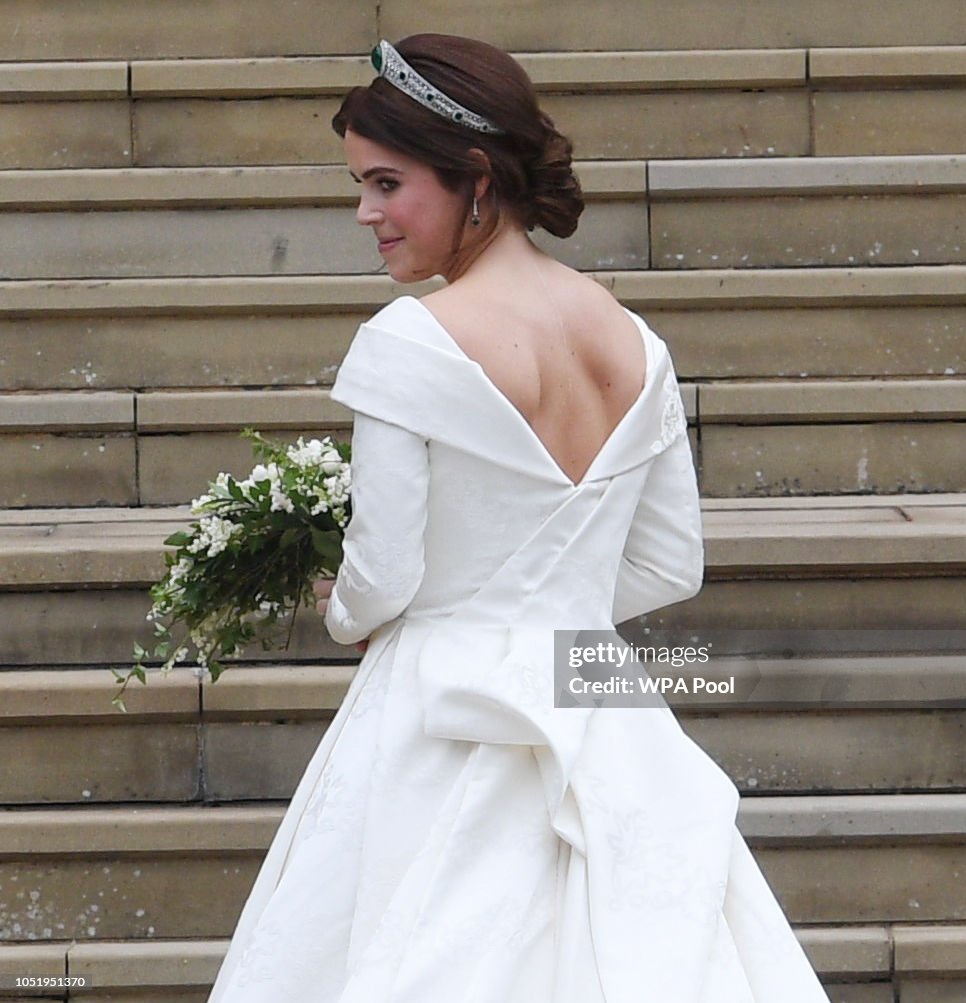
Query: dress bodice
pixel 507 535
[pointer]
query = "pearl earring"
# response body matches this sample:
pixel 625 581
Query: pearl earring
pixel 475 218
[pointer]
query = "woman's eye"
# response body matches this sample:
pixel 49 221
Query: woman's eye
pixel 388 184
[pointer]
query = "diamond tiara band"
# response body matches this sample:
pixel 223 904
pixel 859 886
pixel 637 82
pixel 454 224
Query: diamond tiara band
pixel 392 67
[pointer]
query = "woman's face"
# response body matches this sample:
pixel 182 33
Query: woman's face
pixel 415 219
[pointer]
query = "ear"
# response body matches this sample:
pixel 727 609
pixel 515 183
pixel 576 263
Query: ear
pixel 482 184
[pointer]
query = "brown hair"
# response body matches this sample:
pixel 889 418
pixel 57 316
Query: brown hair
pixel 530 162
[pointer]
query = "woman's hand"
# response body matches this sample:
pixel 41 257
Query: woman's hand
pixel 322 587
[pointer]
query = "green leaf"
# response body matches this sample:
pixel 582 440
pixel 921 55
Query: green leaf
pixel 179 539
pixel 290 537
pixel 327 543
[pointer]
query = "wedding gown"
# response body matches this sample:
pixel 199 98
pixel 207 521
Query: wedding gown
pixel 456 839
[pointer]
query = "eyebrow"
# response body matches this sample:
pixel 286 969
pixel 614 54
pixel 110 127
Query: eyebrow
pixel 375 170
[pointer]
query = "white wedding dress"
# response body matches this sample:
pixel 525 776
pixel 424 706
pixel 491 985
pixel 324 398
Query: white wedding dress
pixel 456 839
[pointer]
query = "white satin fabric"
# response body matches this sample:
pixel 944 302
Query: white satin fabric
pixel 456 839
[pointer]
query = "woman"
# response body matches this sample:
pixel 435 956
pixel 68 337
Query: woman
pixel 520 465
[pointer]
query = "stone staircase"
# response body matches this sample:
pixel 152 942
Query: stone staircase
pixel 781 193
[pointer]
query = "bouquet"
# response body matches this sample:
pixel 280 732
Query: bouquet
pixel 240 573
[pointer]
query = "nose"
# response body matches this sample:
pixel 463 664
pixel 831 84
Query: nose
pixel 366 214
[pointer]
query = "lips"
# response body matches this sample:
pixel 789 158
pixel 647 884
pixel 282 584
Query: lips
pixel 389 244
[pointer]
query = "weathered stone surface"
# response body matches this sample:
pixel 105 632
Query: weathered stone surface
pixel 176 351
pixel 114 897
pixel 922 285
pixel 860 603
pixel 934 950
pixel 277 692
pixel 98 627
pixel 932 990
pixel 683 124
pixel 856 820
pixel 653 69
pixel 873 123
pixel 549 71
pixel 788 231
pixel 822 341
pixel 184 242
pixel 147 965
pixel 167 187
pixel 805 175
pixel 249 77
pixel 257 760
pixel 610 126
pixel 859 992
pixel 60 134
pixel 118 29
pixel 106 412
pixel 610 235
pixel 813 401
pixel 41 81
pixel 848 951
pixel 31 959
pixel 880 458
pixel 859 884
pixel 183 351
pixel 258 241
pixel 83 696
pixel 209 133
pixel 691 24
pixel 92 763
pixel 895 65
pixel 855 750
pixel 177 468
pixel 159 995
pixel 220 410
pixel 810 680
pixel 67 470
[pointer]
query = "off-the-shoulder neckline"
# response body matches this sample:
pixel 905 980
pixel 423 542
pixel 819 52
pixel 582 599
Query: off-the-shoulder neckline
pixel 649 376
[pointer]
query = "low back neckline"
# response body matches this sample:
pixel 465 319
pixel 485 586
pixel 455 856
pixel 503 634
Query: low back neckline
pixel 522 419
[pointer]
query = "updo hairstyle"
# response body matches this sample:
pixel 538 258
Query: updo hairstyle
pixel 530 162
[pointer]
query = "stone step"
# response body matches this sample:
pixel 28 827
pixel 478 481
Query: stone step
pixel 58 30
pixel 551 71
pixel 816 724
pixel 614 105
pixel 750 439
pixel 172 872
pixel 251 221
pixel 73 589
pixel 259 331
pixel 801 212
pixel 666 215
pixel 818 536
pixel 923 955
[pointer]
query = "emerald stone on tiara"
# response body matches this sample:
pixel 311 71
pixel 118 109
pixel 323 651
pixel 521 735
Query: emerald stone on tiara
pixel 392 67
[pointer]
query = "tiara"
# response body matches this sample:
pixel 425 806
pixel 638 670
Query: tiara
pixel 392 67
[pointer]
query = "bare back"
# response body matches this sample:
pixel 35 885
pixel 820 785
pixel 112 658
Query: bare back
pixel 558 346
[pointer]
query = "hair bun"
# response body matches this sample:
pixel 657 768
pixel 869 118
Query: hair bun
pixel 557 200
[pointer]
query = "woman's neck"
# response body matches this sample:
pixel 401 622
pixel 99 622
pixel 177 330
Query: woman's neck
pixel 500 254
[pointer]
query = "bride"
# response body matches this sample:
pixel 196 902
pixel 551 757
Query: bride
pixel 520 465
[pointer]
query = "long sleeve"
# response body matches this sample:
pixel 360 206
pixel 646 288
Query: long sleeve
pixel 383 547
pixel 663 558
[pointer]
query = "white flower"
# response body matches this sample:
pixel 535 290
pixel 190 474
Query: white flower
pixel 280 500
pixel 306 454
pixel 213 535
pixel 179 570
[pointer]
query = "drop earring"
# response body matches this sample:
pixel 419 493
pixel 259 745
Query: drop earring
pixel 475 218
